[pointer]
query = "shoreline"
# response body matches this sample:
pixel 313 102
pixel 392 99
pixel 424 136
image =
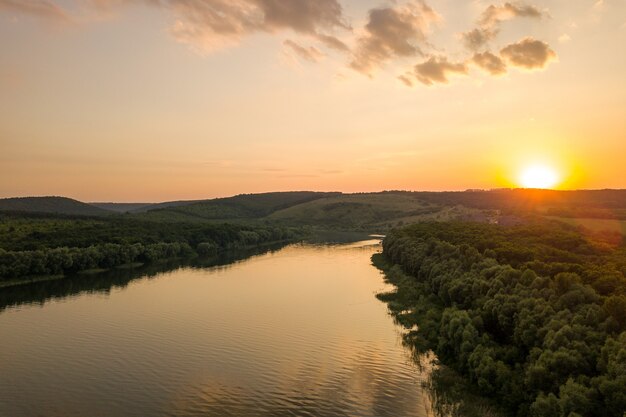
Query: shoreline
pixel 28 280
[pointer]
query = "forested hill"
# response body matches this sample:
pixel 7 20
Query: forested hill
pixel 57 205
pixel 122 207
pixel 597 210
pixel 576 203
pixel 533 315
pixel 243 206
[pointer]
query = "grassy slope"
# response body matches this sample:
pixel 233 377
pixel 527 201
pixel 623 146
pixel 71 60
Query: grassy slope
pixel 58 205
pixel 374 212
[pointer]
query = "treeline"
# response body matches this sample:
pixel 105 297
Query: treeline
pixel 525 200
pixel 533 315
pixel 52 245
pixel 20 231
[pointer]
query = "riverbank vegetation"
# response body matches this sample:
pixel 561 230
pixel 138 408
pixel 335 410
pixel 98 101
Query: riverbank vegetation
pixel 533 315
pixel 47 244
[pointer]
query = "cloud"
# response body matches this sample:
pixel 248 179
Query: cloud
pixel 493 15
pixel 407 79
pixel 333 43
pixel 564 38
pixel 43 9
pixel 392 32
pixel 477 38
pixel 207 25
pixel 395 32
pixel 528 53
pixel 310 53
pixel 489 62
pixel 491 19
pixel 437 70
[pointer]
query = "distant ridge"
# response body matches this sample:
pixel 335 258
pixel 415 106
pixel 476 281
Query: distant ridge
pixel 356 211
pixel 56 205
pixel 123 207
pixel 242 206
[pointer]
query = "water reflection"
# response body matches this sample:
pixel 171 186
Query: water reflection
pixel 104 282
pixel 295 331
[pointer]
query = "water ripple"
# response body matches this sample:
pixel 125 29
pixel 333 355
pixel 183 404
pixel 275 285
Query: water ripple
pixel 294 333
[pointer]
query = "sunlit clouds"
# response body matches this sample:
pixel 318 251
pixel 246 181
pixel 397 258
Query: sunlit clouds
pixel 528 53
pixel 491 20
pixel 437 70
pixel 129 99
pixel 388 36
pixel 399 31
pixel 489 62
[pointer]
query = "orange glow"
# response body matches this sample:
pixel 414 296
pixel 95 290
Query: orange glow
pixel 539 176
pixel 84 115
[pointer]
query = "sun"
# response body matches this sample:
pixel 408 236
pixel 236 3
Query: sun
pixel 539 176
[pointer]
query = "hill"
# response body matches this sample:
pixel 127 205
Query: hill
pixel 577 203
pixel 375 212
pixel 385 210
pixel 56 205
pixel 597 210
pixel 122 207
pixel 240 207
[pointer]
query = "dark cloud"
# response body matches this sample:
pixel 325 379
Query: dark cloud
pixel 528 53
pixel 392 32
pixel 40 8
pixel 489 62
pixel 490 20
pixel 310 53
pixel 437 70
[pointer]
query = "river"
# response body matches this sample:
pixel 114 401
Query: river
pixel 293 331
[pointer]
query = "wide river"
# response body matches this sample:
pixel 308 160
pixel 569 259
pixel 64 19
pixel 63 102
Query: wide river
pixel 296 331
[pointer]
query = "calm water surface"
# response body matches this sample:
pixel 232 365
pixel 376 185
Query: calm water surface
pixel 293 332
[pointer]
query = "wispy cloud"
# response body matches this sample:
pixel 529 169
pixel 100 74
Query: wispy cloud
pixel 209 25
pixel 44 9
pixel 491 19
pixel 564 38
pixel 310 53
pixel 393 33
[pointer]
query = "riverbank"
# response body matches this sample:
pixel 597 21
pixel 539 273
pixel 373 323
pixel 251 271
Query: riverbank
pixel 414 308
pixel 189 258
pixel 532 315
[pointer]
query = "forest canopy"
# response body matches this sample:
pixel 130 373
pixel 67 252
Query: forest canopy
pixel 534 315
pixel 46 244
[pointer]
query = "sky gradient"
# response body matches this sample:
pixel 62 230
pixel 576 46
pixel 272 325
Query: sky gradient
pixel 154 100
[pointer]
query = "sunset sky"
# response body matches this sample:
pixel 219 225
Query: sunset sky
pixel 154 100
